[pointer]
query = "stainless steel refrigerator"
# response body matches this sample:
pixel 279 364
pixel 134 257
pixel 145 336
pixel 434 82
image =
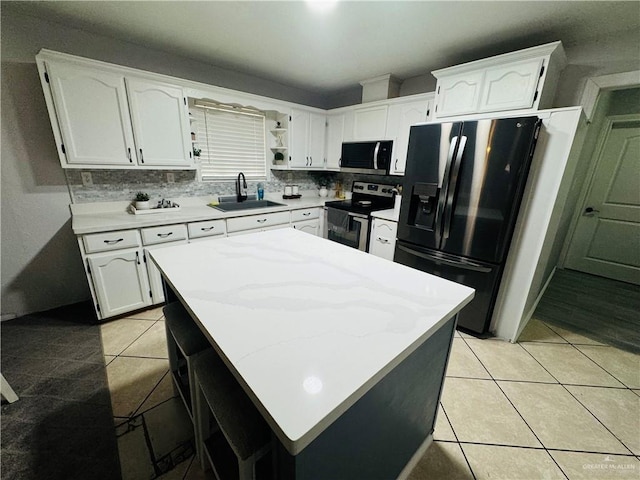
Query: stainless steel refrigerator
pixel 461 195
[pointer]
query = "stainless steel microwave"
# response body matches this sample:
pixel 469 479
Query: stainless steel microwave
pixel 366 157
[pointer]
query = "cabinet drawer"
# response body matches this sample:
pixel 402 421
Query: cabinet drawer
pixel 165 233
pixel 102 242
pixel 207 229
pixel 257 221
pixel 305 214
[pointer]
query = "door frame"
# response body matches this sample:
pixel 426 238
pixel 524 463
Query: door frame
pixel 590 96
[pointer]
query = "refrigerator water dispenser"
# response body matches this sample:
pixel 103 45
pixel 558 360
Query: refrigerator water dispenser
pixel 423 206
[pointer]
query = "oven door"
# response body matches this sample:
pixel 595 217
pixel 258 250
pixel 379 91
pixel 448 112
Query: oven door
pixel 345 227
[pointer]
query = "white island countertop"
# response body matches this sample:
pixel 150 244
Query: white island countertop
pixel 307 325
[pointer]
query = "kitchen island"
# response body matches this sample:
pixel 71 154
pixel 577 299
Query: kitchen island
pixel 343 353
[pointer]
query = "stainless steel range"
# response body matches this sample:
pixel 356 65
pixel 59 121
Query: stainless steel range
pixel 348 221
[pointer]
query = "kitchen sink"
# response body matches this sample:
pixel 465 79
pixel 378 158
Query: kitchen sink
pixel 246 205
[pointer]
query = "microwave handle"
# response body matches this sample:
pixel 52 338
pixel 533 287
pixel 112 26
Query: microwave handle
pixel 375 156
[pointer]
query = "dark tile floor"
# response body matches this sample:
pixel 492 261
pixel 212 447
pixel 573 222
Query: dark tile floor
pixel 62 425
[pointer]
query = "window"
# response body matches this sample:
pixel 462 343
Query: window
pixel 231 140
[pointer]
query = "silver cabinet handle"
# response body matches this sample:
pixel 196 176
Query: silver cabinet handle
pixel 130 159
pixel 383 240
pixel 590 212
pixel 113 242
pixel 306 214
pixel 164 235
pixel 261 220
pixel 141 156
pixel 205 229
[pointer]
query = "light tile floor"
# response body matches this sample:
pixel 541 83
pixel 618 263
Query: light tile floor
pixel 555 405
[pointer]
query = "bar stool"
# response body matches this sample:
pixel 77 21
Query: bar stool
pixel 232 435
pixel 185 341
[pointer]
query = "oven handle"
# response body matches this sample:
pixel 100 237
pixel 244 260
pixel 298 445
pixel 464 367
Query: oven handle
pixel 364 227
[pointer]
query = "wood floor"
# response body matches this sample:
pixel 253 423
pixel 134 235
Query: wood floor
pixel 605 310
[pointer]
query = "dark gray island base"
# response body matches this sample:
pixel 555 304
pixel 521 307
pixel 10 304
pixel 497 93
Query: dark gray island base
pixel 385 432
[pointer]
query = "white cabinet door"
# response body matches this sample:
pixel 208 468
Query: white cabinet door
pixel 120 282
pixel 155 278
pixel 91 107
pixel 510 87
pixel 459 94
pixel 299 138
pixel 317 133
pixel 160 123
pixel 370 123
pixel 308 226
pixel 401 117
pixel 382 241
pixel 335 132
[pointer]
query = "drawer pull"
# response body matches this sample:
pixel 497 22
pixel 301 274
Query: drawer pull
pixel 164 235
pixel 113 242
pixel 383 240
pixel 261 220
pixel 137 258
pixel 207 229
pixel 306 214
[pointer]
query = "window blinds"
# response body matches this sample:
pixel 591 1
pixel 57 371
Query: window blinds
pixel 230 141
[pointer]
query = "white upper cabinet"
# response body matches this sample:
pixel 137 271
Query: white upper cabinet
pixel 103 116
pixel 370 123
pixel 459 94
pixel 522 80
pixel 511 87
pixel 335 135
pixel 401 117
pixel 160 123
pixel 307 132
pixel 91 108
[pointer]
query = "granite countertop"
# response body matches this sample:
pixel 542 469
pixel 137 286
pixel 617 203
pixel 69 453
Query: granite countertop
pixel 307 326
pixel 110 216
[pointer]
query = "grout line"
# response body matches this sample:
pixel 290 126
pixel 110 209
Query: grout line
pixel 543 448
pixel 518 412
pixel 597 419
pixel 137 410
pixel 147 439
pixel 458 442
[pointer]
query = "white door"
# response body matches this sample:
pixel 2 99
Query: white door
pixel 335 131
pixel 160 123
pixel 93 114
pixel 458 94
pixel 407 115
pixel 370 123
pixel 308 226
pixel 317 134
pixel 120 281
pixel 511 87
pixel 606 240
pixel 299 138
pixel 155 277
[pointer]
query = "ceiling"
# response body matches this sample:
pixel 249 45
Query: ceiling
pixel 326 52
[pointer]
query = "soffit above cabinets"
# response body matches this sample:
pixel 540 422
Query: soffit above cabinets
pixel 328 52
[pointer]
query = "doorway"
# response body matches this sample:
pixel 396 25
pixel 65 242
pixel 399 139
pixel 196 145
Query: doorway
pixel 606 235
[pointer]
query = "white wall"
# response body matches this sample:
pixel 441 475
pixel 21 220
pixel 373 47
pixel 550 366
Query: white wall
pixel 41 266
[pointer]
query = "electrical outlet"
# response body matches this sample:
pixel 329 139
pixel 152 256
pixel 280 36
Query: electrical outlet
pixel 87 181
pixel 171 178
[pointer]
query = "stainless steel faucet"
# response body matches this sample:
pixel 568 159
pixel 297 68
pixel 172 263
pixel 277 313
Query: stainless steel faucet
pixel 241 188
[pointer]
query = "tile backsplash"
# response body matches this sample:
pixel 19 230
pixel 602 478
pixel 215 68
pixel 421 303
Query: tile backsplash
pixel 122 185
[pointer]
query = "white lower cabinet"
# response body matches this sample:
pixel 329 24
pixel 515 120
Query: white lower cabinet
pixel 307 220
pixel 120 282
pixel 155 278
pixel 308 226
pixel 382 242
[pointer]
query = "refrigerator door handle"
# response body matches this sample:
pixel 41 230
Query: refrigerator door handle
pixel 445 261
pixel 452 187
pixel 442 200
